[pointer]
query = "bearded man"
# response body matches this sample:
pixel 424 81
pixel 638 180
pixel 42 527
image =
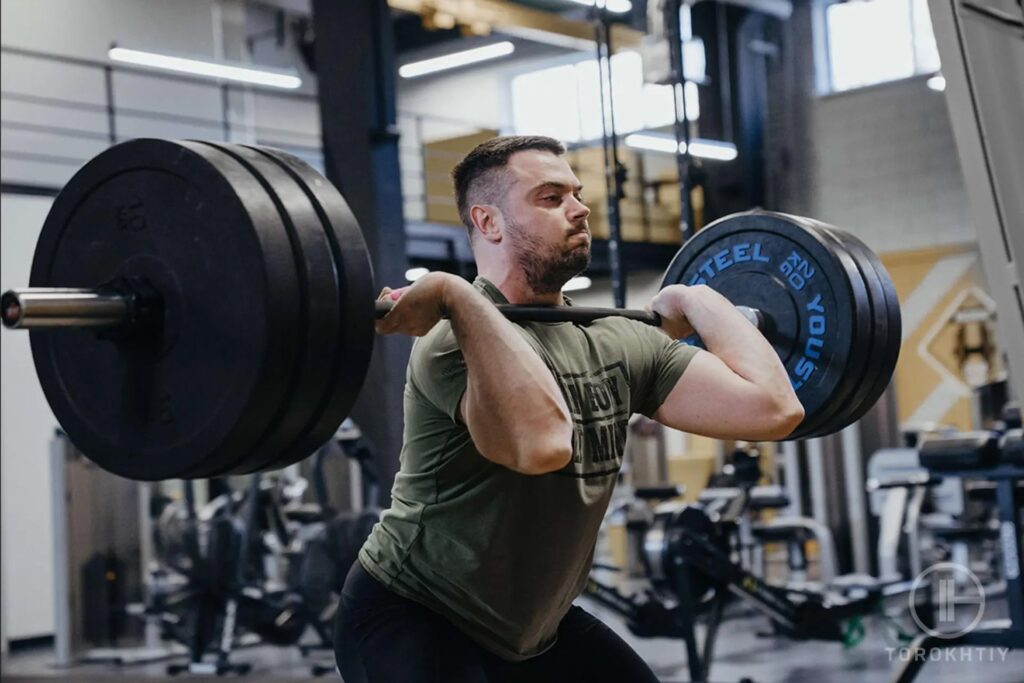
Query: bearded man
pixel 514 435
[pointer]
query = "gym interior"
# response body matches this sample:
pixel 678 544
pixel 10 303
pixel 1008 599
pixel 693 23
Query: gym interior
pixel 877 143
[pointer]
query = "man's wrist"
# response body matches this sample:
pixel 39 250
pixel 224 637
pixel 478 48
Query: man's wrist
pixel 679 298
pixel 453 290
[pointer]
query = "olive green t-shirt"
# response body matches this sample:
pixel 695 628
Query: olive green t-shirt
pixel 501 554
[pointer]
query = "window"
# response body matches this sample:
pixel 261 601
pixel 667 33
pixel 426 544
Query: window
pixel 546 102
pixel 565 101
pixel 874 41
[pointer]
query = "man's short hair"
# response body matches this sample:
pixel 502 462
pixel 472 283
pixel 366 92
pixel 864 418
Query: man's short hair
pixel 480 173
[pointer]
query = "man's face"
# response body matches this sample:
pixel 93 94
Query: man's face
pixel 545 219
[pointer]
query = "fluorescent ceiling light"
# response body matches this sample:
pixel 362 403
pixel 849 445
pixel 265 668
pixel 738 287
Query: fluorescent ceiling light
pixel 224 70
pixel 652 142
pixel 705 149
pixel 577 283
pixel 712 149
pixel 455 59
pixel 617 6
pixel 937 82
pixel 414 274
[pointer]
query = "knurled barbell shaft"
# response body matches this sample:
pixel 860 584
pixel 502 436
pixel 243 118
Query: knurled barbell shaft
pixel 52 307
pixel 580 314
pixel 553 314
pixel 38 307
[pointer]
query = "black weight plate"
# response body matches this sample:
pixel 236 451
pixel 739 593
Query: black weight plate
pixel 357 303
pixel 278 250
pixel 319 308
pixel 831 418
pixel 884 363
pixel 853 388
pixel 853 409
pixel 769 262
pixel 157 210
pixel 892 349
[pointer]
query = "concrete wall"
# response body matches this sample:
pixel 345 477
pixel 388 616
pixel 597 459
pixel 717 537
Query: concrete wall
pixel 26 425
pixel 210 29
pixel 887 167
pixel 879 162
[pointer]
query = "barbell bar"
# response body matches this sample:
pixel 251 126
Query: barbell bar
pixel 46 307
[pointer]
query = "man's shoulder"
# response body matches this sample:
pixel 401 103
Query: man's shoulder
pixel 625 329
pixel 436 355
pixel 440 338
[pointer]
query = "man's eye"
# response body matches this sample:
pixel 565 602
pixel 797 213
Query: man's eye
pixel 552 198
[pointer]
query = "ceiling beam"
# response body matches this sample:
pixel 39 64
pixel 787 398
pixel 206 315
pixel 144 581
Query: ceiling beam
pixel 480 17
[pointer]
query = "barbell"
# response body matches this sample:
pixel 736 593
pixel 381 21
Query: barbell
pixel 200 309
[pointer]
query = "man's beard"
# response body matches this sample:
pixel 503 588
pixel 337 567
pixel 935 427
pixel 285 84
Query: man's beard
pixel 546 268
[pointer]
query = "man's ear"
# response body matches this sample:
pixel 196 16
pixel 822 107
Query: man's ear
pixel 487 222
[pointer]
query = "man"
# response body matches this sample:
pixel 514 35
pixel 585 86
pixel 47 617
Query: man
pixel 514 435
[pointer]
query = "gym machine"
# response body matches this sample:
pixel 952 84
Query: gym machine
pixel 689 553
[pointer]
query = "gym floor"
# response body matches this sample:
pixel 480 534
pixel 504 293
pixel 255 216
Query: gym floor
pixel 742 651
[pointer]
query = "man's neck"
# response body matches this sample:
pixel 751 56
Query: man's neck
pixel 513 285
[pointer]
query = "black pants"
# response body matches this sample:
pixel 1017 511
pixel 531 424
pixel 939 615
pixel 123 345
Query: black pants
pixel 382 637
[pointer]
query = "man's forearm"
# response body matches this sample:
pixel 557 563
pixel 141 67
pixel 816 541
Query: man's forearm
pixel 513 406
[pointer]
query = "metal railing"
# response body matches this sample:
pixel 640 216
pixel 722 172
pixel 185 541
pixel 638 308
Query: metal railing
pixel 45 113
pixel 43 127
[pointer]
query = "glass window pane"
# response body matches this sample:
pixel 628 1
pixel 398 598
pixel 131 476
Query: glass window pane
pixel 659 106
pixel 627 84
pixel 869 42
pixel 632 98
pixel 692 97
pixel 565 101
pixel 589 100
pixel 695 65
pixel 925 50
pixel 546 102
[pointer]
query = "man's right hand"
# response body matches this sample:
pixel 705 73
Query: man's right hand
pixel 670 304
pixel 418 307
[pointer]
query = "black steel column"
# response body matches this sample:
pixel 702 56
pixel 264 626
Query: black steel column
pixel 225 112
pixel 682 124
pixel 614 171
pixel 108 83
pixel 1012 549
pixel 355 65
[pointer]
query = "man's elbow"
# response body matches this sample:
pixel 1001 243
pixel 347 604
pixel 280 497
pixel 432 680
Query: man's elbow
pixel 546 454
pixel 785 417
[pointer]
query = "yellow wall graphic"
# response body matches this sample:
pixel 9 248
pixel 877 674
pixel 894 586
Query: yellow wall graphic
pixel 946 311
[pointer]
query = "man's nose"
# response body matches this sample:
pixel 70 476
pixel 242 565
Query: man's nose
pixel 577 209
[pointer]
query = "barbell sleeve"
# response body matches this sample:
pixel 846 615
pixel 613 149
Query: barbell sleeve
pixel 40 307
